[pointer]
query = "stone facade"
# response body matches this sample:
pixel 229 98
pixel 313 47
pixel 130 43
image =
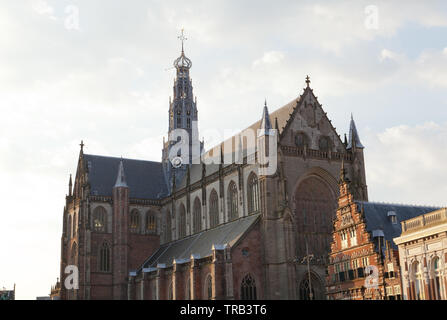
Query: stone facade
pixel 293 206
pixel 423 256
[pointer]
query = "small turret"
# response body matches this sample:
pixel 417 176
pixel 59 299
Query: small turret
pixel 70 187
pixel 354 139
pixel 266 125
pixel 121 178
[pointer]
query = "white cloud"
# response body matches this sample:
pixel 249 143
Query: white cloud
pixel 406 164
pixel 271 57
pixel 42 7
pixel 387 54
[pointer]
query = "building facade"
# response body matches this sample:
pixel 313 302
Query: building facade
pixel 225 230
pixel 364 261
pixel 423 255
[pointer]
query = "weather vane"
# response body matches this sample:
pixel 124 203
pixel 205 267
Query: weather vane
pixel 182 37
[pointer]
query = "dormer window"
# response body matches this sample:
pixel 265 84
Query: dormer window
pixel 379 237
pixel 392 217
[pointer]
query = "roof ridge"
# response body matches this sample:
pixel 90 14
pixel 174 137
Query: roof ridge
pixel 119 158
pixel 398 204
pixel 239 132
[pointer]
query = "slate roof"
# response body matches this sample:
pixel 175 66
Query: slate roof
pixel 201 243
pixel 144 178
pixel 376 215
pixel 282 115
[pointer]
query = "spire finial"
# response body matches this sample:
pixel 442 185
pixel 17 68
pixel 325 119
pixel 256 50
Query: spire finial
pixel 82 145
pixel 265 102
pixel 182 61
pixel 308 81
pixel 182 37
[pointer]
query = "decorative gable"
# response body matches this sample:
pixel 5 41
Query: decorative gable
pixel 308 122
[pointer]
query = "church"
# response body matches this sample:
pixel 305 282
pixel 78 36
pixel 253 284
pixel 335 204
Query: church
pixel 213 224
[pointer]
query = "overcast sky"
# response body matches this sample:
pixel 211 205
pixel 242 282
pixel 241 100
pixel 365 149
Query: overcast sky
pixel 102 71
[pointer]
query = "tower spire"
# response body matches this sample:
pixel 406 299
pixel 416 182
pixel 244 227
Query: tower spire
pixel 354 139
pixel 266 125
pixel 121 177
pixel 70 184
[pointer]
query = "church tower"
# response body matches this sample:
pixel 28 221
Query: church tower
pixel 183 115
pixel 358 174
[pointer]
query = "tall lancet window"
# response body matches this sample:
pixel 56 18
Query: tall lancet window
pixel 74 253
pixel 69 235
pixel 182 222
pixel 209 287
pixel 214 209
pixel 253 194
pixel 99 219
pixel 168 226
pixel 104 258
pixel 197 218
pixel 135 221
pixel 151 222
pixel 248 288
pixel 232 201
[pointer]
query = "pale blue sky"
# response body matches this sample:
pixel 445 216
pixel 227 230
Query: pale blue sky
pixel 109 82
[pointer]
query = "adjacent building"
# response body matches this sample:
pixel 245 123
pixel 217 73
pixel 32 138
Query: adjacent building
pixel 423 254
pixel 364 260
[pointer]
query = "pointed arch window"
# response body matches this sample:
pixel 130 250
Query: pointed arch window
pixel 104 258
pixel 151 222
pixel 253 194
pixel 197 218
pixel 170 292
pixel 188 289
pixel 232 201
pixel 74 252
pixel 74 224
pixel 99 219
pixel 214 209
pixel 248 288
pixel 69 227
pixel 305 290
pixel 209 287
pixel 135 221
pixel 168 227
pixel 182 222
